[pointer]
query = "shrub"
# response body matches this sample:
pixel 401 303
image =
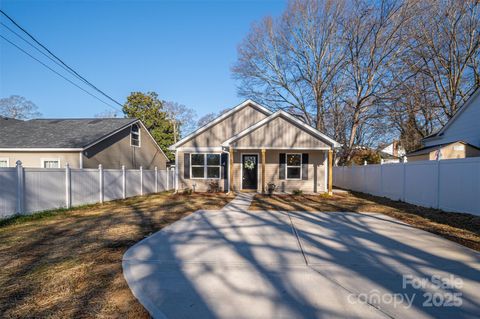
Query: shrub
pixel 271 188
pixel 213 187
pixel 187 191
pixel 297 192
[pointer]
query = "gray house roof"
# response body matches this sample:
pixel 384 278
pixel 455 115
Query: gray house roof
pixel 59 133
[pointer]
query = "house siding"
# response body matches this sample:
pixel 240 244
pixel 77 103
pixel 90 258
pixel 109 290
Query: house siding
pixel 115 151
pixel 33 159
pixel 448 152
pixel 464 128
pixel 279 133
pixel 235 123
pixel 315 182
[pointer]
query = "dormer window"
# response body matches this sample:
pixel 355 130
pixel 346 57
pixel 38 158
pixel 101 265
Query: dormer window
pixel 135 135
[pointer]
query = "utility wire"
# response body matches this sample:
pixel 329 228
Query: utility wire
pixel 36 48
pixel 60 60
pixel 65 78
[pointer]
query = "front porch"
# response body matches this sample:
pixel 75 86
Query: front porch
pixel 306 170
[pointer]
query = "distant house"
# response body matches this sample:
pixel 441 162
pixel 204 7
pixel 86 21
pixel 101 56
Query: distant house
pixel 459 138
pixel 252 148
pixel 453 150
pixel 82 143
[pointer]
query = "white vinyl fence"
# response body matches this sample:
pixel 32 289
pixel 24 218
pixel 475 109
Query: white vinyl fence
pixel 450 185
pixel 28 190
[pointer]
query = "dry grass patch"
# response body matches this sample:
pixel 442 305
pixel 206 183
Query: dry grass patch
pixel 461 228
pixel 68 263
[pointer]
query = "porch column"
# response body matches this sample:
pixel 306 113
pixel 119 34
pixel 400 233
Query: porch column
pixel 330 171
pixel 230 182
pixel 263 170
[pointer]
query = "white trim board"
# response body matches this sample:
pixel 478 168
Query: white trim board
pixel 286 116
pixel 202 129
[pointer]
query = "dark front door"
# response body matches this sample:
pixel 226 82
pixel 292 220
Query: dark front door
pixel 249 171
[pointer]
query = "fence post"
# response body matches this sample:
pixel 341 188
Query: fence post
pixel 381 180
pixel 156 179
pixel 124 183
pixel 20 188
pixel 100 181
pixel 68 185
pixel 404 186
pixel 437 199
pixel 141 180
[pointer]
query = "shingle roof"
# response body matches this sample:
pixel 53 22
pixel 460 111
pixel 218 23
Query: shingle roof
pixel 58 133
pixel 4 121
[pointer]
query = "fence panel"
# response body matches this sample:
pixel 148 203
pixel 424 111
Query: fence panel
pixel 37 189
pixel 44 188
pixel 113 184
pixel 85 186
pixel 421 183
pixel 460 185
pixel 148 182
pixel 451 185
pixel 133 182
pixel 8 191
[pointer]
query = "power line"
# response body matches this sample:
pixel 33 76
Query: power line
pixel 60 60
pixel 65 78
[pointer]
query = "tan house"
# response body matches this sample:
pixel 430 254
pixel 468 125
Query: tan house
pixel 249 147
pixel 453 150
pixel 82 143
pixel 458 138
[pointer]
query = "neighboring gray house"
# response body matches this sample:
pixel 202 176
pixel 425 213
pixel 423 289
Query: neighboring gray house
pixel 249 147
pixel 459 138
pixel 82 143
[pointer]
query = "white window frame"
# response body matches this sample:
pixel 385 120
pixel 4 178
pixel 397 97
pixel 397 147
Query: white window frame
pixel 5 159
pixel 287 166
pixel 43 160
pixel 205 166
pixel 139 135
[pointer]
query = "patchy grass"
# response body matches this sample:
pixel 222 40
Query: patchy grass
pixel 461 228
pixel 67 263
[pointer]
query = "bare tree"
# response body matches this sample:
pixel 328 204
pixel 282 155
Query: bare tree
pixel 291 62
pixel 374 35
pixel 18 107
pixel 182 117
pixel 445 39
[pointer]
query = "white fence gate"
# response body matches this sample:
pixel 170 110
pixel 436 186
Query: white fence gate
pixel 28 190
pixel 450 185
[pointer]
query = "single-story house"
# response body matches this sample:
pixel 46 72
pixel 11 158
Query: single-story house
pixel 250 146
pixel 82 143
pixel 452 150
pixel 458 138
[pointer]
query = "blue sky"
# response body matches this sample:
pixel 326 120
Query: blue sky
pixel 183 50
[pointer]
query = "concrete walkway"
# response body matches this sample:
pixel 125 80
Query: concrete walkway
pixel 236 263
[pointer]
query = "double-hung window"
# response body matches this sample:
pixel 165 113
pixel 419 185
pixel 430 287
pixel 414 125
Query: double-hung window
pixel 3 162
pixel 50 163
pixel 205 165
pixel 294 166
pixel 135 135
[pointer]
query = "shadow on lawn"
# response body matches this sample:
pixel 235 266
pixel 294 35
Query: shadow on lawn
pixel 70 265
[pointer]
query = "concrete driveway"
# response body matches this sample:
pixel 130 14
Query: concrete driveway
pixel 236 263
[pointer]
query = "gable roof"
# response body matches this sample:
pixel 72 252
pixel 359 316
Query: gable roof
pixel 221 118
pixel 59 133
pixel 289 118
pixel 462 108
